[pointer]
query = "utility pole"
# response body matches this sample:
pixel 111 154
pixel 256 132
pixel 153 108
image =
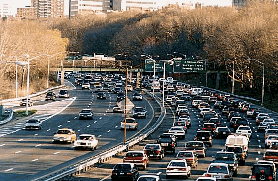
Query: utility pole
pixel 233 83
pixel 125 105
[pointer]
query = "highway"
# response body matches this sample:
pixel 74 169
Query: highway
pixel 28 154
pixel 256 149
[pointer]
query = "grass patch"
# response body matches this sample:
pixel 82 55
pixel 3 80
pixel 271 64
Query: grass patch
pixel 22 113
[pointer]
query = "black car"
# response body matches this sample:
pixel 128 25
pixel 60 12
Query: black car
pixel 240 122
pixel 240 153
pixel 50 95
pixel 154 151
pixel 125 171
pixel 120 96
pixel 263 172
pixel 207 116
pixel 222 132
pixel 204 136
pixel 101 95
pixel 167 143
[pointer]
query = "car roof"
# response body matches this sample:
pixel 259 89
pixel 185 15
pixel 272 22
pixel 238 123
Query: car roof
pixel 215 164
pixel 271 150
pixel 135 151
pixel 86 135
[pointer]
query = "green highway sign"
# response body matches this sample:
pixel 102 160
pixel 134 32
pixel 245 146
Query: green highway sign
pixel 149 63
pixel 188 66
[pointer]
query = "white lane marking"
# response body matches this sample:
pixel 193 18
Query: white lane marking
pixel 78 130
pixel 99 136
pixel 108 131
pixel 17 152
pixel 38 145
pixel 75 118
pixel 10 169
pixel 88 126
pixel 2 145
pixel 105 178
pixel 116 126
pixel 56 153
pixel 20 140
pixel 59 126
pixel 35 160
pixel 104 114
pixel 68 121
pixel 36 134
pixel 48 130
pixel 100 118
pixel 95 121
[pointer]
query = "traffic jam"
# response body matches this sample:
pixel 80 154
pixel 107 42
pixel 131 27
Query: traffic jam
pixel 217 117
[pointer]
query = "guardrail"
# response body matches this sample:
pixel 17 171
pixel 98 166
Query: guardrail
pixel 9 118
pixel 32 95
pixel 101 157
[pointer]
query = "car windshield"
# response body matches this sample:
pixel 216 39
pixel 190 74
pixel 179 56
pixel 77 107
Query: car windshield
pixel 272 138
pixel 176 128
pixel 84 137
pixel 244 128
pixel 85 111
pixel 271 153
pixel 272 131
pixel 235 149
pixel 177 164
pixel 146 179
pixel 122 167
pixel 32 121
pixel 203 134
pixel 63 91
pixel 134 154
pixel 224 156
pixel 152 147
pixel 49 93
pixel 218 169
pixel 185 154
pixel 138 109
pixel 241 121
pixel 194 144
pixel 63 132
pixel 267 169
pixel 163 140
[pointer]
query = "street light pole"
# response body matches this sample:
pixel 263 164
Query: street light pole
pixel 28 79
pixel 16 81
pixel 47 82
pixel 125 105
pixel 233 82
pixel 163 94
pixel 153 75
pixel 263 87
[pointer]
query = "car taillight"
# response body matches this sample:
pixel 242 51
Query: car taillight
pixel 253 176
pixel 157 151
pixel 269 178
pixel 207 175
pixel 113 173
pixel 184 127
pixel 214 128
pixel 227 176
pixel 204 128
pixel 129 173
pixel 172 144
pixel 183 169
pixel 145 151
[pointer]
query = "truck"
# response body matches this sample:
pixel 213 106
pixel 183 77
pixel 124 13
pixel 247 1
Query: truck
pixel 237 140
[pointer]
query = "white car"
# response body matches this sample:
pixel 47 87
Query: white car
pixel 219 171
pixel 206 179
pixel 178 168
pixel 33 124
pixel 270 139
pixel 178 131
pixel 63 93
pixel 86 85
pixel 86 141
pixel 129 124
pixel 244 130
pixel 149 178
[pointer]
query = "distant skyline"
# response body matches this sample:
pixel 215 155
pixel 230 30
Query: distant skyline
pixel 22 3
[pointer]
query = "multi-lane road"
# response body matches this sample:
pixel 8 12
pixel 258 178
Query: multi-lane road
pixel 28 154
pixel 255 152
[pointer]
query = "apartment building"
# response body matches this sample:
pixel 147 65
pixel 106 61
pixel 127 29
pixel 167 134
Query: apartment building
pixel 48 8
pixel 26 13
pixel 5 9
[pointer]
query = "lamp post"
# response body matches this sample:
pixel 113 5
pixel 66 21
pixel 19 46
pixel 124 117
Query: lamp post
pixel 171 62
pixel 153 75
pixel 125 106
pixel 233 82
pixel 262 63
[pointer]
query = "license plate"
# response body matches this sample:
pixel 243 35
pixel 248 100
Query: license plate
pixel 151 154
pixel 122 173
pixel 164 144
pixel 203 138
pixel 224 132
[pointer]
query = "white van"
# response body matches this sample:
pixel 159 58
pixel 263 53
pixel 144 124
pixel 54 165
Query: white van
pixel 235 140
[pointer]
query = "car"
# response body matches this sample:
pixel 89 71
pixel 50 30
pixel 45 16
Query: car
pixel 178 131
pixel 101 95
pixel 129 123
pixel 167 143
pixel 139 112
pixel 117 109
pixel 86 85
pixel 204 136
pixel 149 177
pixel 125 171
pixel 116 90
pixel 206 179
pixel 216 121
pixel 181 106
pixel 263 172
pixel 209 115
pixel 154 151
pixel 244 130
pixel 181 123
pixel 240 153
pixel 198 148
pixel 129 88
pixel 268 163
pixel 270 132
pixel 178 168
pixel 64 135
pixel 23 102
pixel 209 127
pixel 271 155
pixel 86 141
pixel 33 124
pixel 220 171
pixel 50 95
pixel 229 158
pixel 239 122
pixel 137 97
pixel 265 124
pixel 189 156
pixel 63 93
pixel 222 132
pixel 86 114
pixel 183 112
pixel 260 117
pixel 274 145
pixel 139 158
pixel 120 96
